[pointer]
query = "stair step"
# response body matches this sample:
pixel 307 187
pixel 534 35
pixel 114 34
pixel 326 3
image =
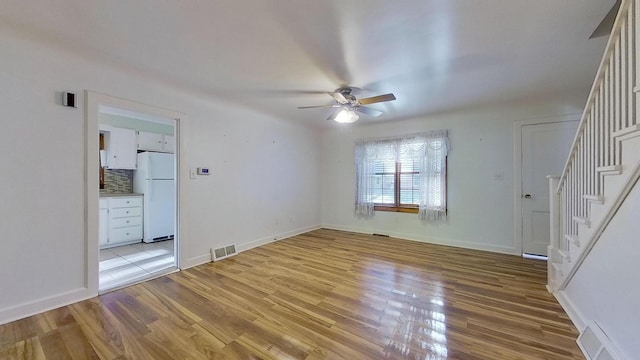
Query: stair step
pixel 582 220
pixel 558 269
pixel 610 170
pixel 598 199
pixel 572 239
pixel 565 256
pixel 626 131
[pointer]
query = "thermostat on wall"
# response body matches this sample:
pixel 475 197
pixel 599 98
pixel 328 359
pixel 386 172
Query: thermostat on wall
pixel 203 171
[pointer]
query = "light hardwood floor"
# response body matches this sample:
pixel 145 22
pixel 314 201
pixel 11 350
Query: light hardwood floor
pixel 322 295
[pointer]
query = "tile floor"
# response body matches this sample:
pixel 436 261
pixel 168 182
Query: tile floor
pixel 130 263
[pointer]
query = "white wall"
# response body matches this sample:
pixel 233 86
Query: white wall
pixel 264 181
pixel 481 209
pixel 605 288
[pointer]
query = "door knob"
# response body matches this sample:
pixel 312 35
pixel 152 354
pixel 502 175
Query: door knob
pixel 527 196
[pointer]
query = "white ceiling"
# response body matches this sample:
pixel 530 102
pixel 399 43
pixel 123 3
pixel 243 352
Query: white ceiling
pixel 276 55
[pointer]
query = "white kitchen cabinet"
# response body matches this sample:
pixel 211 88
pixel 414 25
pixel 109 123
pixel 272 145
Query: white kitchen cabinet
pixel 123 222
pixel 121 148
pixel 103 223
pixel 150 141
pixel 169 144
pixel 156 142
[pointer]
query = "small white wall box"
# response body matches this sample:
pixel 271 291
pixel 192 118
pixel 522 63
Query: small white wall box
pixel 69 99
pixel 203 171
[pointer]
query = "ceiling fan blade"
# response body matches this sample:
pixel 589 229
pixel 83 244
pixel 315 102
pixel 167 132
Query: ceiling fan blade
pixel 318 106
pixel 368 111
pixel 377 99
pixel 339 97
pixel 605 26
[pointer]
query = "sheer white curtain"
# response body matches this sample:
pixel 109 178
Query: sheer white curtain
pixel 433 199
pixel 368 152
pixel 426 152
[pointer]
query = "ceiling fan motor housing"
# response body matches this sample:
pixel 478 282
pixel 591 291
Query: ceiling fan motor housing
pixel 346 92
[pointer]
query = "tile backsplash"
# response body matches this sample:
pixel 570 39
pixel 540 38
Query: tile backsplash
pixel 118 181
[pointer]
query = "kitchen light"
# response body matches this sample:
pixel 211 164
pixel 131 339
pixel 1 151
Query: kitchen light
pixel 346 116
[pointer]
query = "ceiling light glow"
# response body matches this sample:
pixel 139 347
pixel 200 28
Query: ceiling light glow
pixel 346 116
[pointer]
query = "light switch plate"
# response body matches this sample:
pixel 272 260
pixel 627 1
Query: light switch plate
pixel 193 172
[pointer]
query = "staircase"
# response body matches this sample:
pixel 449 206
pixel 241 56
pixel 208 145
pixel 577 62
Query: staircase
pixel 604 162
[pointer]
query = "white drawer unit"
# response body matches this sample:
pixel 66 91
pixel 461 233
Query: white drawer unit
pixel 126 234
pixel 124 212
pixel 126 202
pixel 103 223
pixel 126 221
pixel 123 220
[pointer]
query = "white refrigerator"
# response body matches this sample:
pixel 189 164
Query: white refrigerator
pixel 155 179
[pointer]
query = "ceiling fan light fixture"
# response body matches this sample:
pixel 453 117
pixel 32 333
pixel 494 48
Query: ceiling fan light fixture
pixel 346 116
pixel 348 105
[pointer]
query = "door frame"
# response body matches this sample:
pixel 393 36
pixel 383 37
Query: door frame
pixel 517 170
pixel 92 192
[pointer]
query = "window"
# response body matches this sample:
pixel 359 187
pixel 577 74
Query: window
pixel 395 185
pixel 406 174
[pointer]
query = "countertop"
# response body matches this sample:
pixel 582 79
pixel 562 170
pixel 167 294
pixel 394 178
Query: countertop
pixel 104 195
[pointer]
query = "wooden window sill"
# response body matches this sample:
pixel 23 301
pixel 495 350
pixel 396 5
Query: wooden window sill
pixel 411 210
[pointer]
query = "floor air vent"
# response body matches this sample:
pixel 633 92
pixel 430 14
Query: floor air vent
pixel 595 344
pixel 223 252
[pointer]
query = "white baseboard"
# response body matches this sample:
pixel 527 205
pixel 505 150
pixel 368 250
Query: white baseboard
pixel 205 258
pixel 195 261
pixel 22 311
pixel 269 239
pixel 574 314
pixel 431 240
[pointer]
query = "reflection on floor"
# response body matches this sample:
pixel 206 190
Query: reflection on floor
pixel 130 263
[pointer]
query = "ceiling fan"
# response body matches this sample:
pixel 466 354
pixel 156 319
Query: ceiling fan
pixel 349 105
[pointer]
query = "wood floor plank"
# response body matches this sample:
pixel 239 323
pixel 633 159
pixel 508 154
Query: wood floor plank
pixel 54 346
pixel 29 349
pixel 321 295
pixel 76 343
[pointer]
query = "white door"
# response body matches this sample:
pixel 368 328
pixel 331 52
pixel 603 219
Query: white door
pixel 545 148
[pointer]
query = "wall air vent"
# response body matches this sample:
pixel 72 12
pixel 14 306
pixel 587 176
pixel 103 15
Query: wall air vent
pixel 230 250
pixel 595 344
pixel 223 252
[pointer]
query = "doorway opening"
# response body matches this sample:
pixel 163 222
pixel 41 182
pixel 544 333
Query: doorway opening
pixel 137 198
pixel 135 235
